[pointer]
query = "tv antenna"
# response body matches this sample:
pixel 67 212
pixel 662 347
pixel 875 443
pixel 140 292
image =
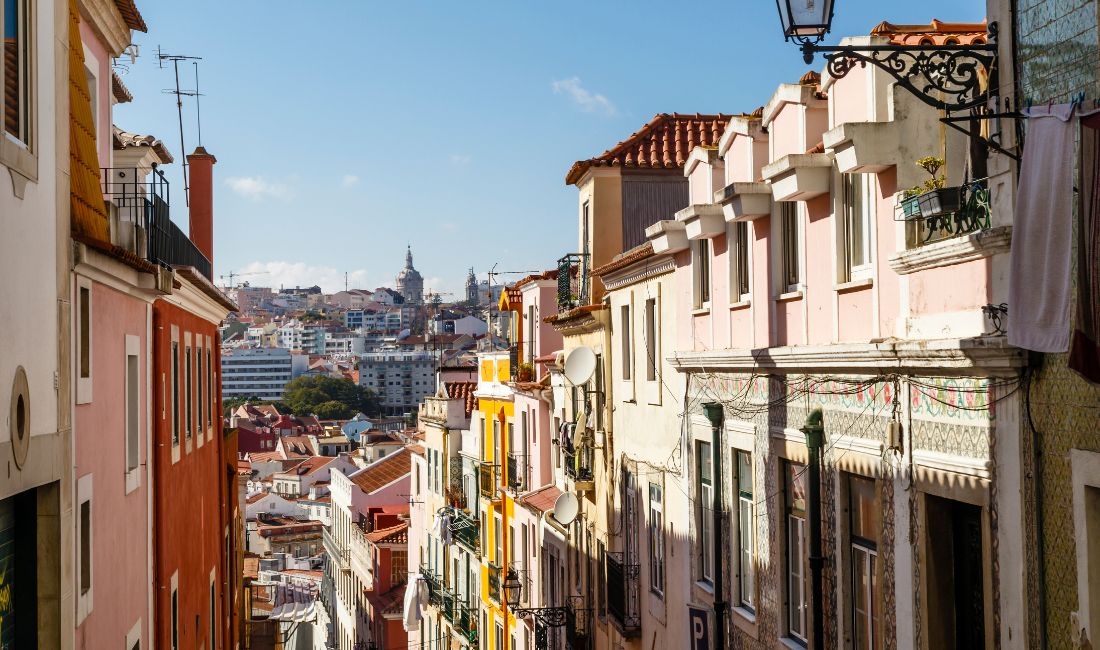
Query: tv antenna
pixel 162 57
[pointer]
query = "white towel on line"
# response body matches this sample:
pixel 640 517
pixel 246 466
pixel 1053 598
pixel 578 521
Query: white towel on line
pixel 1042 233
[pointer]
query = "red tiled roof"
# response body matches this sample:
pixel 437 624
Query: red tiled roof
pixel 623 260
pixel 389 603
pixel 378 475
pixel 542 499
pixel 131 15
pixel 264 456
pixel 267 530
pixel 934 33
pixel 393 535
pixel 419 450
pixel 574 313
pixel 664 143
pixel 312 464
pixel 256 497
pixel 463 390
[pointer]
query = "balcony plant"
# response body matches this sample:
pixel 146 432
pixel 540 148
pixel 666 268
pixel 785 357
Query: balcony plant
pixel 932 198
pixel 524 372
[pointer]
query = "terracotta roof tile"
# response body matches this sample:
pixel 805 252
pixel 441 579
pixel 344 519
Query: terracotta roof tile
pixel 124 139
pixel 623 260
pixel 934 33
pixel 131 15
pixel 393 535
pixel 463 390
pixel 378 475
pixel 119 90
pixel 664 143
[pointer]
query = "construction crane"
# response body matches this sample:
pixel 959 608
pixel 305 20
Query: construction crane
pixel 234 274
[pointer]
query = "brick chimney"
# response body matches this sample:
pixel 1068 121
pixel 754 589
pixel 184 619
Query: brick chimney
pixel 201 227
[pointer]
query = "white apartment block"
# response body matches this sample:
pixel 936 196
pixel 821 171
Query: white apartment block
pixel 401 379
pixel 259 372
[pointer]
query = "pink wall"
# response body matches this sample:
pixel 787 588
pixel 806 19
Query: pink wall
pixel 120 523
pixel 849 98
pixel 887 283
pixel 538 439
pixel 785 132
pixel 817 123
pixel 102 94
pixel 949 288
pixel 819 276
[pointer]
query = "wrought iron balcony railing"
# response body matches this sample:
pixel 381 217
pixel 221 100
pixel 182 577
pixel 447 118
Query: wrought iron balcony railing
pixel 622 593
pixel 572 281
pixel 145 225
pixel 465 623
pixel 517 472
pixel 487 480
pixel 464 530
pixel 578 463
pixel 946 213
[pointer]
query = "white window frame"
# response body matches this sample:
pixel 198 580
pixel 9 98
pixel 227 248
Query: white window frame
pixel 796 614
pixel 18 152
pixel 85 599
pixel 702 259
pixel 214 619
pixel 200 414
pixel 738 248
pixel 745 522
pixel 704 518
pixel 173 400
pixel 864 185
pixel 626 342
pixel 652 329
pixel 84 384
pixel 188 371
pixel 790 244
pixel 133 637
pixel 657 567
pixel 211 398
pixel 174 616
pixel 1085 477
pixel 132 414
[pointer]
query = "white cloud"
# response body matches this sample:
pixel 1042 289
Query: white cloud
pixel 299 274
pixel 349 180
pixel 585 99
pixel 460 159
pixel 255 188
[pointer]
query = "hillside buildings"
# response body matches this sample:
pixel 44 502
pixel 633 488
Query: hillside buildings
pixel 259 373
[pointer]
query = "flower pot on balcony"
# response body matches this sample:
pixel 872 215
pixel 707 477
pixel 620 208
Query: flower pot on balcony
pixel 938 202
pixel 910 207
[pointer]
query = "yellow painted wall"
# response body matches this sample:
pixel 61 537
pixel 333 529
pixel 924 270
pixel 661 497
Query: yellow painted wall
pixel 503 411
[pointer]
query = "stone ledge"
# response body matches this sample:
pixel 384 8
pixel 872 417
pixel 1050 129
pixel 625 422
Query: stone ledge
pixel 953 251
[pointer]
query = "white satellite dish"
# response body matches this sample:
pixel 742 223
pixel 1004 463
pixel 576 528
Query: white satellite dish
pixel 580 365
pixel 566 508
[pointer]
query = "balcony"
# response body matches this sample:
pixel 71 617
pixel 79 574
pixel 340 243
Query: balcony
pixel 464 531
pixel 572 281
pixel 465 623
pixel 139 212
pixel 863 147
pixel 494 582
pixel 669 236
pixel 487 480
pixel 745 201
pixel 702 221
pixel 338 555
pixel 799 176
pixel 972 215
pixel 435 585
pixel 578 467
pixel 622 594
pixel 517 473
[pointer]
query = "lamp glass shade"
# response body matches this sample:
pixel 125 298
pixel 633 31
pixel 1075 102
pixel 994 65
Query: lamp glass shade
pixel 805 19
pixel 513 589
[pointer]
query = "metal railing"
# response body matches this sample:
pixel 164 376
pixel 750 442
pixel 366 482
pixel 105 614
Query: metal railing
pixel 144 205
pixel 578 463
pixel 465 623
pixel 572 281
pixel 517 472
pixel 622 593
pixel 464 530
pixel 340 556
pixel 487 480
pixel 972 215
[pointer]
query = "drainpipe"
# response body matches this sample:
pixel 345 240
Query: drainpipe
pixel 815 439
pixel 714 413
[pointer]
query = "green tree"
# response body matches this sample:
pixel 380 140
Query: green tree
pixel 314 394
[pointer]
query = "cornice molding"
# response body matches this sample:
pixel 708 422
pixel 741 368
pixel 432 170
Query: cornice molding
pixel 104 18
pixel 953 251
pixel 635 273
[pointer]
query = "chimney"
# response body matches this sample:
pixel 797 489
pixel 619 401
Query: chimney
pixel 201 227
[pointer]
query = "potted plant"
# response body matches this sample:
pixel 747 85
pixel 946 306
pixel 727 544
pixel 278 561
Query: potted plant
pixel 936 199
pixel 524 372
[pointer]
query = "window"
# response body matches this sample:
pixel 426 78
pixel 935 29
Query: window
pixel 656 540
pixel 792 271
pixel 704 502
pixel 133 403
pixel 702 273
pixel 794 496
pixel 746 532
pixel 210 403
pixel 651 339
pixel 856 226
pixel 738 238
pixel 175 614
pixel 175 392
pixel 626 332
pixel 863 526
pixel 956 573
pixel 496 439
pixel 498 540
pixel 189 390
pixel 213 613
pixel 200 393
pixel 17 70
pixel 85 329
pixel 85 547
pixel 531 335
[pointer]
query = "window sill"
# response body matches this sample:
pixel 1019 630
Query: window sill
pixel 705 586
pixel 701 311
pixel 789 296
pixel 788 642
pixel 949 252
pixel 745 620
pixel 854 285
pixel 741 304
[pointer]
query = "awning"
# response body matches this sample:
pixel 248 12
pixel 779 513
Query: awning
pixel 294 613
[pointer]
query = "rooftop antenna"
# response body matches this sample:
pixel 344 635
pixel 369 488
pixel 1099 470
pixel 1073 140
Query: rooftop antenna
pixel 175 59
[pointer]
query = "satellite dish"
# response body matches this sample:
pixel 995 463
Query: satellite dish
pixel 566 508
pixel 580 365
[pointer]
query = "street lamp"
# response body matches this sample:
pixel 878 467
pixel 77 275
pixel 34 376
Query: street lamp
pixel 548 616
pixel 950 77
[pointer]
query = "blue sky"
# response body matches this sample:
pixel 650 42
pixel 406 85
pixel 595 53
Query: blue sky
pixel 344 130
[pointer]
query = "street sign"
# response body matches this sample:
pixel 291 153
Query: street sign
pixel 698 629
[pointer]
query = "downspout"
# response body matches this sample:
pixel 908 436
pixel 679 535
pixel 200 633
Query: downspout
pixel 714 412
pixel 815 438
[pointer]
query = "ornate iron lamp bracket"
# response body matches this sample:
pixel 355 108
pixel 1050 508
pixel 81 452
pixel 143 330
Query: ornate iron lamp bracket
pixel 548 616
pixel 947 77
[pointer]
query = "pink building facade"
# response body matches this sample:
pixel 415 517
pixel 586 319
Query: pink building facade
pixel 802 285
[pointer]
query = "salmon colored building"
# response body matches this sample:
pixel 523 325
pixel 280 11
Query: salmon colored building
pixel 196 571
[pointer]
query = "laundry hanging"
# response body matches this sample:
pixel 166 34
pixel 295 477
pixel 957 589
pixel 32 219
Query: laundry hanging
pixel 1039 278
